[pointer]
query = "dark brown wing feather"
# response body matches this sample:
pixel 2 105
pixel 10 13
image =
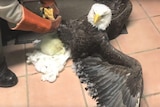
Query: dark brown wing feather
pixel 107 83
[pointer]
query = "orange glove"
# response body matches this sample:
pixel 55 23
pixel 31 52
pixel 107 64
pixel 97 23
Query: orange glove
pixel 35 23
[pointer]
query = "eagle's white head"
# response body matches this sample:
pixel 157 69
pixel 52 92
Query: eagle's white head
pixel 100 16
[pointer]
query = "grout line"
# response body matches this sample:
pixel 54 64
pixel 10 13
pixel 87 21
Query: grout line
pixel 138 19
pixel 143 51
pixel 118 44
pixel 156 16
pixel 28 74
pixel 68 66
pixel 27 87
pixel 149 95
pixel 84 97
pixel 145 101
pixel 148 50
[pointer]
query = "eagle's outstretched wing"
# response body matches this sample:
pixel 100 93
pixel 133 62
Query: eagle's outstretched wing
pixel 110 85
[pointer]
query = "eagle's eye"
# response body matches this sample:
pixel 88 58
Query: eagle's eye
pixel 103 16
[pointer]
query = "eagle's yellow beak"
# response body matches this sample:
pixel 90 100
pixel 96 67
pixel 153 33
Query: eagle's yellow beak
pixel 97 17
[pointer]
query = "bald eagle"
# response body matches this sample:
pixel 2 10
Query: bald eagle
pixel 113 78
pixel 121 10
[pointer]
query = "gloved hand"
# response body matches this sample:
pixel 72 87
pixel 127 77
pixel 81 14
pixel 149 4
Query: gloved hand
pixel 35 23
pixel 50 11
pixel 51 4
pixel 56 23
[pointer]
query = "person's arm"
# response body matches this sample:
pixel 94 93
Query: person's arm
pixel 13 12
pixel 10 10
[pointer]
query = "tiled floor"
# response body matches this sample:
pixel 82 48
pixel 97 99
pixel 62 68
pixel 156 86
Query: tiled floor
pixel 142 42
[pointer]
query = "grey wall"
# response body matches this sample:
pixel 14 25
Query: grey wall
pixel 72 9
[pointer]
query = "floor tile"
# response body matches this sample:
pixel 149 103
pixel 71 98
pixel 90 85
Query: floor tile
pixel 150 66
pixel 137 11
pixel 15 57
pixel 141 36
pixel 69 63
pixel 29 48
pixel 31 69
pixel 156 21
pixel 143 103
pixel 65 92
pixel 90 102
pixel 15 96
pixel 151 6
pixel 153 101
pixel 114 43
